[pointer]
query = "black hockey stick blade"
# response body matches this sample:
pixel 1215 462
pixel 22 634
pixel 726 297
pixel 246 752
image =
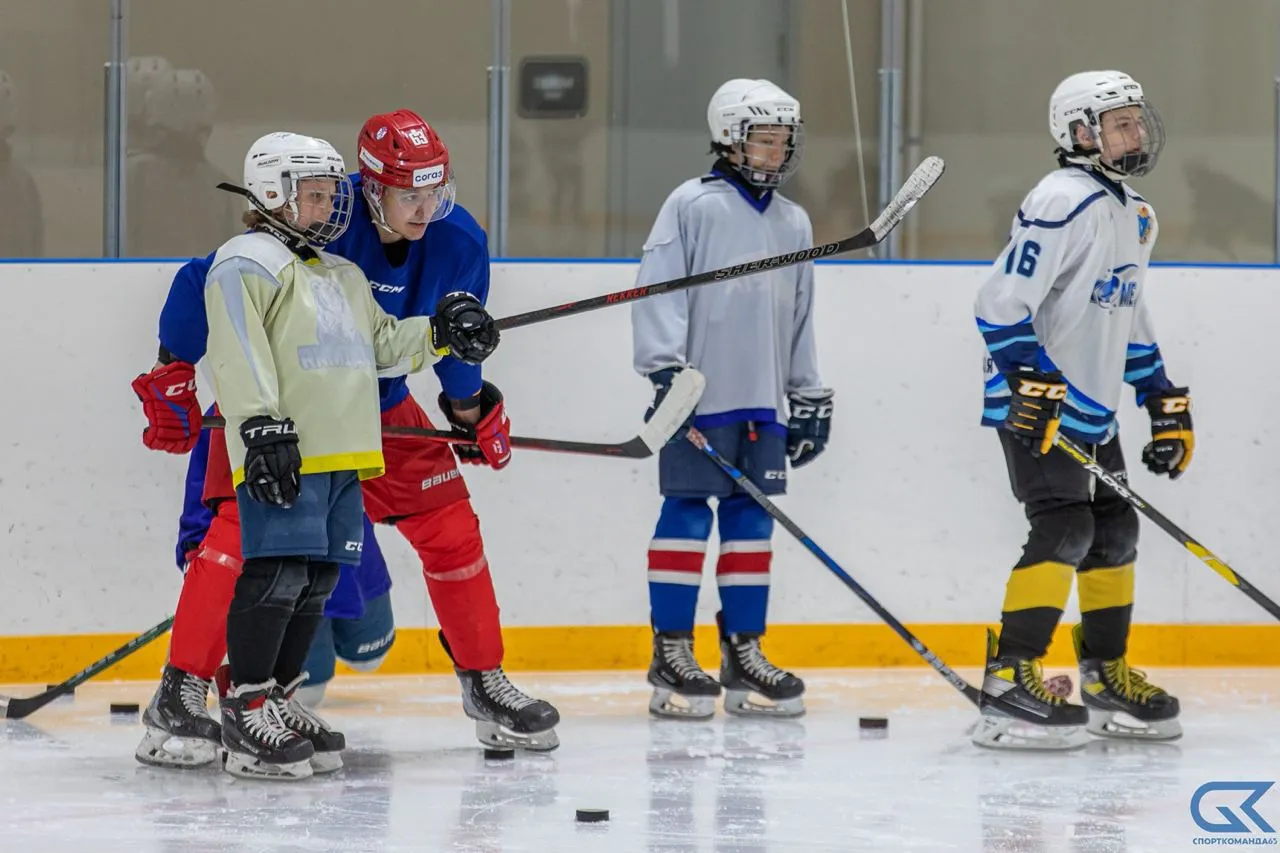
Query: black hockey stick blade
pixel 677 406
pixel 1206 556
pixel 913 189
pixel 968 690
pixel 17 708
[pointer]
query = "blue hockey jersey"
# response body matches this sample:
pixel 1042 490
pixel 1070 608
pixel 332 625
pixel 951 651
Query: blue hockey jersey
pixel 459 260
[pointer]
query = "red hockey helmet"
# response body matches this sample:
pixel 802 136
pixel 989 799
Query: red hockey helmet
pixel 400 149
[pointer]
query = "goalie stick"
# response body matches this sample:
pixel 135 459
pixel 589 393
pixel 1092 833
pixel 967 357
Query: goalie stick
pixel 17 708
pixel 913 189
pixel 970 692
pixel 676 407
pixel 1206 556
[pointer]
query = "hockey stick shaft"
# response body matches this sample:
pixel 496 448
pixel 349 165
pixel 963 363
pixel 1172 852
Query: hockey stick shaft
pixel 17 708
pixel 699 441
pixel 1160 520
pixel 913 189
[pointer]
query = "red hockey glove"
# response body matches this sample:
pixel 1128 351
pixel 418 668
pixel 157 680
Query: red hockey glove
pixel 168 396
pixel 492 433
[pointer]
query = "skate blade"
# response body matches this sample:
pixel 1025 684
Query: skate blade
pixel 1006 733
pixel 673 706
pixel 326 762
pixel 496 736
pixel 1122 726
pixel 248 767
pixel 158 748
pixel 740 703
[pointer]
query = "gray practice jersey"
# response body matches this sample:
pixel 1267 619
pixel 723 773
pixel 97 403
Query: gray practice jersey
pixel 1069 293
pixel 752 337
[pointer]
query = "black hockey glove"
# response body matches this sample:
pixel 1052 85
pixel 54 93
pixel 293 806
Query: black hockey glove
pixel 272 463
pixel 462 328
pixel 1033 409
pixel 1173 440
pixel 662 380
pixel 808 427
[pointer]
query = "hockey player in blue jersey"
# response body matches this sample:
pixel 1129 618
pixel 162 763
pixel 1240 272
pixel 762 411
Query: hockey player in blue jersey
pixel 1064 315
pixel 753 338
pixel 404 185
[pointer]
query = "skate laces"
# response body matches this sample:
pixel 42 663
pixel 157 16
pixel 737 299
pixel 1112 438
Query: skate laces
pixel 194 695
pixel 267 723
pixel 499 688
pixel 298 717
pixel 1132 684
pixel 1031 679
pixel 678 653
pixel 756 664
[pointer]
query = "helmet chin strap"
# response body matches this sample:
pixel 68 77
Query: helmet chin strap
pixel 1094 161
pixel 284 232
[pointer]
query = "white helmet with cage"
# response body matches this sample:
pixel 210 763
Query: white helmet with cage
pixel 274 167
pixel 1135 136
pixel 742 106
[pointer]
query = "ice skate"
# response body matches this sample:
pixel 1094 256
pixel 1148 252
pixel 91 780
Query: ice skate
pixel 258 742
pixel 180 731
pixel 746 673
pixel 681 690
pixel 1019 712
pixel 327 743
pixel 1121 702
pixel 506 718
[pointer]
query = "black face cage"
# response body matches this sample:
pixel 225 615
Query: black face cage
pixel 1130 164
pixel 766 178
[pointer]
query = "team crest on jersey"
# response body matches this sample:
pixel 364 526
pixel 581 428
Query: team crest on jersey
pixel 1144 224
pixel 1117 290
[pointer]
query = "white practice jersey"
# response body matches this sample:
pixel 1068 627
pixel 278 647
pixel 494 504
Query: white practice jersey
pixel 1068 294
pixel 752 337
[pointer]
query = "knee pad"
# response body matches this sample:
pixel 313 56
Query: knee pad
pixel 741 518
pixel 1115 534
pixel 311 695
pixel 321 579
pixel 1060 533
pixel 276 582
pixel 368 664
pixel 447 540
pixel 685 518
pixel 363 643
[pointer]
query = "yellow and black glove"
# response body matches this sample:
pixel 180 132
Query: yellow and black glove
pixel 1033 409
pixel 1173 440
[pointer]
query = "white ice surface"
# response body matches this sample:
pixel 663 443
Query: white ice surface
pixel 415 779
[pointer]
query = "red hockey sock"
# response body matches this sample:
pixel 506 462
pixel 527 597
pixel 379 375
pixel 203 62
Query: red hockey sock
pixel 458 581
pixel 199 639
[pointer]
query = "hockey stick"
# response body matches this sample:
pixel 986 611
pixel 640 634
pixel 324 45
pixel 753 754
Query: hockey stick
pixel 681 400
pixel 970 692
pixel 16 709
pixel 917 184
pixel 1206 556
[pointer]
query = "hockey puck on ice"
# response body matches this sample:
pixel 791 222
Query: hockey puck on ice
pixel 592 815
pixel 125 708
pixel 873 722
pixel 499 754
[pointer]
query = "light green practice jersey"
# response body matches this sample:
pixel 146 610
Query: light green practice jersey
pixel 305 340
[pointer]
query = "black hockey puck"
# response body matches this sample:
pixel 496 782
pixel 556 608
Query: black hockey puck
pixel 499 754
pixel 873 722
pixel 125 708
pixel 593 815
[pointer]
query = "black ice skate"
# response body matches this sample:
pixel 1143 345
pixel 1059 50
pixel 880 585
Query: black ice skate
pixel 681 690
pixel 180 731
pixel 745 671
pixel 506 718
pixel 1120 700
pixel 1019 712
pixel 327 743
pixel 258 743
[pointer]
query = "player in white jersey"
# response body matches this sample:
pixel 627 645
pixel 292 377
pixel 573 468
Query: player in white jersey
pixel 1065 320
pixel 753 339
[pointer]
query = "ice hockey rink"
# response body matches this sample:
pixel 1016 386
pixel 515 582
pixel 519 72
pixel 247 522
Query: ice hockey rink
pixel 416 780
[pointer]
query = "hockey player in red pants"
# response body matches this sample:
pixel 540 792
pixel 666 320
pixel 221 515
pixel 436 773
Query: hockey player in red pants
pixel 405 184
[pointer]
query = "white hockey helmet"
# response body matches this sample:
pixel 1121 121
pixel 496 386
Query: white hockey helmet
pixel 1080 101
pixel 274 166
pixel 180 100
pixel 741 105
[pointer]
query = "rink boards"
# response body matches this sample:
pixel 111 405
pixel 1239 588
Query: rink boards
pixel 914 505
